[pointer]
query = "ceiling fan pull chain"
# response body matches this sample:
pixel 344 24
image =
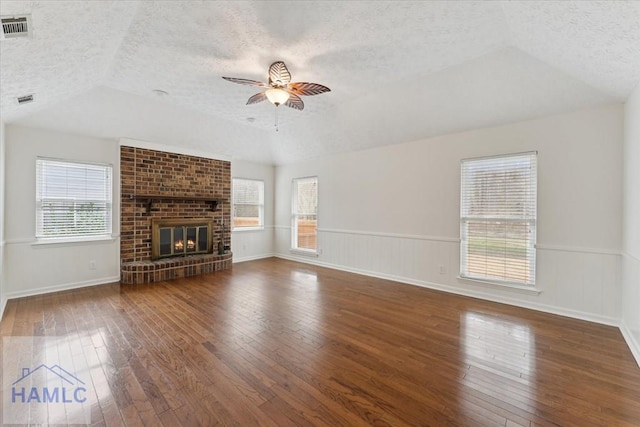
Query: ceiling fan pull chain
pixel 276 124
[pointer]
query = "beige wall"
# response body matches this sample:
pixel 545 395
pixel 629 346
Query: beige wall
pixel 254 244
pixel 33 268
pixel 631 225
pixel 394 211
pixel 3 298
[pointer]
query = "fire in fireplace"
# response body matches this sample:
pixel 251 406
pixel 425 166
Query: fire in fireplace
pixel 179 237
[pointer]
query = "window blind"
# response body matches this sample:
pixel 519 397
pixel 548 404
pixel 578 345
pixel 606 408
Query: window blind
pixel 306 196
pixel 498 218
pixel 248 203
pixel 72 199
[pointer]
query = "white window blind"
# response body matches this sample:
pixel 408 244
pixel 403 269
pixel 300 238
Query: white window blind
pixel 498 218
pixel 72 199
pixel 248 203
pixel 304 227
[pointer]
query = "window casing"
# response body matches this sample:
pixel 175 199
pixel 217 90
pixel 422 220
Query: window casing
pixel 248 204
pixel 304 214
pixel 73 200
pixel 498 214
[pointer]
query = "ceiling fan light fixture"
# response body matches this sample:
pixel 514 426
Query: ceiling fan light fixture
pixel 280 89
pixel 277 96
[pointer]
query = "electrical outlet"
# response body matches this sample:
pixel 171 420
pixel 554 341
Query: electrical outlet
pixel 443 270
pixel 92 264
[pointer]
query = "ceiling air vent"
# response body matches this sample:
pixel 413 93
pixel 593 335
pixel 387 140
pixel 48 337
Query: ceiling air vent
pixel 25 99
pixel 15 26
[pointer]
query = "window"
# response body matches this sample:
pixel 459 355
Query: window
pixel 498 219
pixel 304 227
pixel 72 199
pixel 248 204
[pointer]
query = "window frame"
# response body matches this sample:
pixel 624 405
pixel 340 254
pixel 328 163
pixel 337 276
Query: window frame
pixel 40 235
pixel 260 207
pixel 531 222
pixel 295 215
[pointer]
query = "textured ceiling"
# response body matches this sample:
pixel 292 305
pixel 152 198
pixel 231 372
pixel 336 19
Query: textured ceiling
pixel 398 71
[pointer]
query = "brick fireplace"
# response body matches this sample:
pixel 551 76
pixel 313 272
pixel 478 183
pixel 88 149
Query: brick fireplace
pixel 178 197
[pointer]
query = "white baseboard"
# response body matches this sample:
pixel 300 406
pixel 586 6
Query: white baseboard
pixel 633 344
pixel 251 258
pixel 64 287
pixel 605 320
pixel 3 305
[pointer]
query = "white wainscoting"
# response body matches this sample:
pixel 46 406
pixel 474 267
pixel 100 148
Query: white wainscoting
pixel 32 269
pixel 248 245
pixel 578 283
pixel 3 305
pixel 3 297
pixel 630 323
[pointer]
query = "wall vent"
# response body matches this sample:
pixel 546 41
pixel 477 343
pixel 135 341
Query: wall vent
pixel 16 26
pixel 25 99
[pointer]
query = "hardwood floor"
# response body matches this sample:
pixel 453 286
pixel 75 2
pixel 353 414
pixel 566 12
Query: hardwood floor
pixel 277 343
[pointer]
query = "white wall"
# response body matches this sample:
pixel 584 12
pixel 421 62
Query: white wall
pixel 254 244
pixel 394 211
pixel 630 324
pixel 3 298
pixel 31 268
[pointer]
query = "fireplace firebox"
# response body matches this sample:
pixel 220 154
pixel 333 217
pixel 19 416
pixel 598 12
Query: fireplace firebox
pixel 180 237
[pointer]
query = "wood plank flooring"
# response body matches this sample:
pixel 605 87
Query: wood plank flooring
pixel 278 343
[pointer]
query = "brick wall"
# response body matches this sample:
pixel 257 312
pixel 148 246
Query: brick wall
pixel 150 172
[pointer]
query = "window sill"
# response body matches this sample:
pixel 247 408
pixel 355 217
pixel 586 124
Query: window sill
pixel 512 286
pixel 40 241
pixel 241 229
pixel 304 252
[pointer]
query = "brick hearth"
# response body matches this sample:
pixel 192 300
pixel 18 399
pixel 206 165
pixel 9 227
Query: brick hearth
pixel 172 268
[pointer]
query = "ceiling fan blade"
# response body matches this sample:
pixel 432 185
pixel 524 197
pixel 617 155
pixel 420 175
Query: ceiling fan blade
pixel 246 82
pixel 279 75
pixel 258 97
pixel 307 89
pixel 294 102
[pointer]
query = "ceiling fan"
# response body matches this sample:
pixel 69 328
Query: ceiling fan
pixel 280 90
